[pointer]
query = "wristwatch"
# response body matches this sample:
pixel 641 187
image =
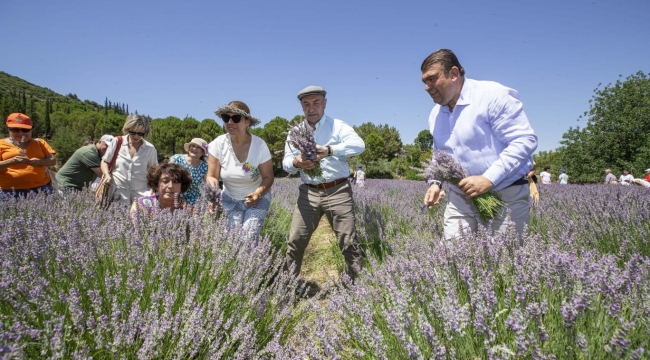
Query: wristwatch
pixel 432 181
pixel 329 151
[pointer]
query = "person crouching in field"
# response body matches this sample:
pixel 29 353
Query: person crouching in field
pixel 167 183
pixel 84 166
pixel 610 179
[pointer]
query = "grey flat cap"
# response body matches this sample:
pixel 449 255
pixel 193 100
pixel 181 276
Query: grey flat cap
pixel 311 90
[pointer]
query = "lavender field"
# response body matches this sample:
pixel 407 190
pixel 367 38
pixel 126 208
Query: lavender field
pixel 78 283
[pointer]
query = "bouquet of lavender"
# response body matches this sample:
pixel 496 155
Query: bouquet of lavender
pixel 301 137
pixel 442 166
pixel 213 195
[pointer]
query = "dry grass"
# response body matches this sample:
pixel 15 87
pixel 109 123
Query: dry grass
pixel 323 260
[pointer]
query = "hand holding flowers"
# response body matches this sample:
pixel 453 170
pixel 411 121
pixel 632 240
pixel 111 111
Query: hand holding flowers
pixel 301 138
pixel 444 167
pixel 213 195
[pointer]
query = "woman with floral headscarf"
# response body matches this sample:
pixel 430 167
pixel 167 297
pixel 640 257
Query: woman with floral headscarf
pixel 194 161
pixel 243 161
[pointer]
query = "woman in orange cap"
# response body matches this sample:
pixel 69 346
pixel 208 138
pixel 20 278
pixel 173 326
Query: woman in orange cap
pixel 23 159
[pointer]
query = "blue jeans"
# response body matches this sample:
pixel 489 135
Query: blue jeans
pixel 250 218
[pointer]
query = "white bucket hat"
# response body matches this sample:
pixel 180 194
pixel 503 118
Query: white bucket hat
pixel 197 141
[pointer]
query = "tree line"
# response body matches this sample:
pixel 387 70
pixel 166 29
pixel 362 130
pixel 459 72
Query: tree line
pixel 616 134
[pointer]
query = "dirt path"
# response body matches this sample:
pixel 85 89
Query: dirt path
pixel 323 260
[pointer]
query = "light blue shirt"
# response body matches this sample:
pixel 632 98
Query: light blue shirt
pixel 487 132
pixel 343 140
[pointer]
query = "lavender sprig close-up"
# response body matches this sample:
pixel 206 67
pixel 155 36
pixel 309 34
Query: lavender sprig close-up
pixel 301 138
pixel 213 195
pixel 444 167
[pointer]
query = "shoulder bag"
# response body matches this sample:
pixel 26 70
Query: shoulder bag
pixel 102 193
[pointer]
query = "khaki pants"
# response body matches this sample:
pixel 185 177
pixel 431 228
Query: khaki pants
pixel 336 203
pixel 461 215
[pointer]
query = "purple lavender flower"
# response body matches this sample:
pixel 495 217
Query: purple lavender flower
pixel 443 166
pixel 213 195
pixel 301 138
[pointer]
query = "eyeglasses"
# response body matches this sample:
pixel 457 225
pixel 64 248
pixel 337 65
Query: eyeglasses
pixel 235 118
pixel 141 134
pixel 20 130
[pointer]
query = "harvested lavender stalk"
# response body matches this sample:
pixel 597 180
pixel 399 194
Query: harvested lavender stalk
pixel 301 137
pixel 213 195
pixel 442 166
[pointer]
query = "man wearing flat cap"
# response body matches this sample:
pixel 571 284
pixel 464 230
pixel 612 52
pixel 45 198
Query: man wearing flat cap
pixel 84 165
pixel 329 193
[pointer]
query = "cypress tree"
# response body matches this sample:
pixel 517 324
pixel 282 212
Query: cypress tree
pixel 47 116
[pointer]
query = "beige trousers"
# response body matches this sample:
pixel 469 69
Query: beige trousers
pixel 461 215
pixel 336 203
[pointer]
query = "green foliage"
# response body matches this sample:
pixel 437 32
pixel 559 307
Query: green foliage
pixel 617 133
pixel 374 149
pixel 65 142
pixel 274 134
pixel 392 141
pixel 424 140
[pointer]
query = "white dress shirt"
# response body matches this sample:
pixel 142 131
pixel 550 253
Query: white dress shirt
pixel 487 132
pixel 343 140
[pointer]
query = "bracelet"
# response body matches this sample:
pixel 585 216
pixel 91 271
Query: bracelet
pixel 432 181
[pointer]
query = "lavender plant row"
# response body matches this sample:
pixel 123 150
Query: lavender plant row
pixel 563 294
pixel 77 283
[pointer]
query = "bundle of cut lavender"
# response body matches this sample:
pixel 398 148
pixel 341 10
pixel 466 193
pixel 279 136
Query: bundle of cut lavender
pixel 213 195
pixel 301 137
pixel 442 166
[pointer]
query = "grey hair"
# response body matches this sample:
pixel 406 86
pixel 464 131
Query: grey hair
pixel 134 121
pixel 608 171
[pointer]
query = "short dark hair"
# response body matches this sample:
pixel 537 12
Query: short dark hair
pixel 446 58
pixel 179 173
pixel 546 168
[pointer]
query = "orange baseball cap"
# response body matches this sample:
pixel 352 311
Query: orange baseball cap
pixel 18 120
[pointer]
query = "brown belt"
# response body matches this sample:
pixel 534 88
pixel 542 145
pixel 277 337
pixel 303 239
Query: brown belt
pixel 328 185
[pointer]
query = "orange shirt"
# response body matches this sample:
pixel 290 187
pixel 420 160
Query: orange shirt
pixel 24 176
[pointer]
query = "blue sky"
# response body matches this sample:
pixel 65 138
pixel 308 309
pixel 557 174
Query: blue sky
pixel 189 57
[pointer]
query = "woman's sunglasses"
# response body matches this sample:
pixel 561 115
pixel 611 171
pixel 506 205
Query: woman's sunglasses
pixel 141 134
pixel 235 118
pixel 20 130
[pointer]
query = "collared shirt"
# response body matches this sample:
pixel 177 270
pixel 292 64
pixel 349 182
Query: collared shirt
pixel 626 179
pixel 487 132
pixel 343 140
pixel 131 173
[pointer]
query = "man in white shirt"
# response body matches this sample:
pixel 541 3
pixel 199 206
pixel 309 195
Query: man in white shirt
pixel 626 178
pixel 482 124
pixel 546 175
pixel 330 193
